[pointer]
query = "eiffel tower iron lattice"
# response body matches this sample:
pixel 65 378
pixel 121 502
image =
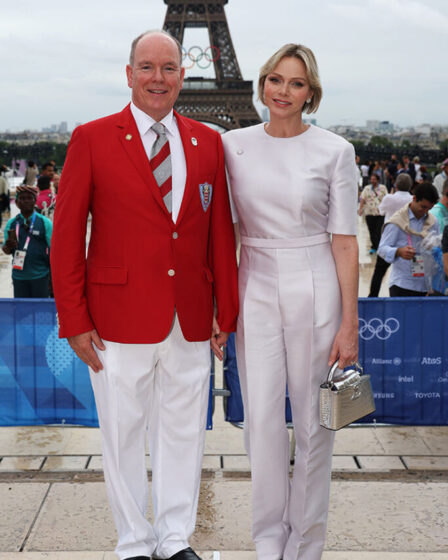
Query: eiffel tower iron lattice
pixel 225 100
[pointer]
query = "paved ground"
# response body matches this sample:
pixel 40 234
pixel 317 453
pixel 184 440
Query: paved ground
pixel 389 493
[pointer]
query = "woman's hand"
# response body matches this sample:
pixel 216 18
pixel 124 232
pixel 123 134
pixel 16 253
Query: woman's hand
pixel 345 346
pixel 218 340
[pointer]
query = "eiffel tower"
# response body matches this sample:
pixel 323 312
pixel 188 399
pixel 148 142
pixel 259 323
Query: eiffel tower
pixel 226 100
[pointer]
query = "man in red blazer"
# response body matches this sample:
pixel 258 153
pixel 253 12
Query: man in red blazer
pixel 139 308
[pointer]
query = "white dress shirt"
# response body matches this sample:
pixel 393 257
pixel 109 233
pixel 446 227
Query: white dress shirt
pixel 178 163
pixel 393 202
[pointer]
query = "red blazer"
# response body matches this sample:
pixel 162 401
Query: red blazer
pixel 140 266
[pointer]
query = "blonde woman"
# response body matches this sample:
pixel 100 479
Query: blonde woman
pixel 294 187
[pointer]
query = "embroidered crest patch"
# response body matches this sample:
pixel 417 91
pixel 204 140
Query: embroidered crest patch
pixel 205 190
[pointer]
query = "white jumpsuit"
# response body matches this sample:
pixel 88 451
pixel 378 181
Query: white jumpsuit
pixel 289 195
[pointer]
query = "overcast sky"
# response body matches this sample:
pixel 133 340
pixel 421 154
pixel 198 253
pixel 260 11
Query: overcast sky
pixel 378 59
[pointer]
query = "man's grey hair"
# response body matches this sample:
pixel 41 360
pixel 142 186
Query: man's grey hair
pixel 154 32
pixel 403 182
pixel 445 187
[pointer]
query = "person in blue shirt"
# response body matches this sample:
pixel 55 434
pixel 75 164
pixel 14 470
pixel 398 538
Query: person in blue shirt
pixel 401 240
pixel 28 240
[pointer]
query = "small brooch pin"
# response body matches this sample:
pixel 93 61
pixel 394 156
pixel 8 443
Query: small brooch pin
pixel 128 136
pixel 205 191
pixel 194 141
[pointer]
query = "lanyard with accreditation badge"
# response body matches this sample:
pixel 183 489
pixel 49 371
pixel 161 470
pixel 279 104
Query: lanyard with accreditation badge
pixel 417 268
pixel 18 261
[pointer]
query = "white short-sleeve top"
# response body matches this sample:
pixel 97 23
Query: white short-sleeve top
pixel 292 187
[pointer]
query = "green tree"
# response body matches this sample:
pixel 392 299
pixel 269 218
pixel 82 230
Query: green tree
pixel 40 152
pixel 358 145
pixel 380 141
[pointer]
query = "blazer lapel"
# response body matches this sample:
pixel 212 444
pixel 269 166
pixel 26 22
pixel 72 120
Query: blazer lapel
pixel 129 138
pixel 191 151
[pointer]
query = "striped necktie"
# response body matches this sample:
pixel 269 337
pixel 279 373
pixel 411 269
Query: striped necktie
pixel 161 164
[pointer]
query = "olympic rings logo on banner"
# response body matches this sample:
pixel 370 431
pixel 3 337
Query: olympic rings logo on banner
pixel 203 58
pixel 376 327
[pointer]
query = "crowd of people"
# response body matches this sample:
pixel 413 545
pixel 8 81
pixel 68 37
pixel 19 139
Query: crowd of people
pixel 388 170
pixel 403 206
pixel 385 187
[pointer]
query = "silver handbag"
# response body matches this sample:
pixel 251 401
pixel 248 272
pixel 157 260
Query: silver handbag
pixel 346 398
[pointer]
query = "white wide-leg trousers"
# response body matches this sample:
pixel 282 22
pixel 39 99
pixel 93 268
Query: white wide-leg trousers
pixel 290 311
pixel 160 392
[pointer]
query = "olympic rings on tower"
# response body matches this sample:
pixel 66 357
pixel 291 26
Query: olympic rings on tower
pixel 196 54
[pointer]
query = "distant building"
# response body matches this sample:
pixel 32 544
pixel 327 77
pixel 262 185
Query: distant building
pixel 424 129
pixel 380 127
pixel 372 125
pixel 385 127
pixel 63 128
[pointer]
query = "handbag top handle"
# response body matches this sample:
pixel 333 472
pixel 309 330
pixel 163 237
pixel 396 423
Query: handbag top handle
pixel 356 366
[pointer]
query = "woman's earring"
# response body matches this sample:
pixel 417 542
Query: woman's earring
pixel 309 100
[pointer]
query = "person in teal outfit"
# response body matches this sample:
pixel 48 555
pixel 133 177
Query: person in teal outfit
pixel 440 210
pixel 28 240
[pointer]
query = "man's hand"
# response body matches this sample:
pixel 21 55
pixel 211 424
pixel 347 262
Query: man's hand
pixel 10 246
pixel 83 348
pixel 218 340
pixel 407 253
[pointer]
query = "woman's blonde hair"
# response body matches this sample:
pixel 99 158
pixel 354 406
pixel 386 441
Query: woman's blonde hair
pixel 312 73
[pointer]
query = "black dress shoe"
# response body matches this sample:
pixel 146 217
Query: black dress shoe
pixel 185 554
pixel 138 558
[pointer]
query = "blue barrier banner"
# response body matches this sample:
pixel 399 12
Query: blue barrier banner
pixel 233 405
pixel 402 347
pixel 42 381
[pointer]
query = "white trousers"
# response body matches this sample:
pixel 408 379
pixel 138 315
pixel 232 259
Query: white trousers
pixel 290 311
pixel 157 392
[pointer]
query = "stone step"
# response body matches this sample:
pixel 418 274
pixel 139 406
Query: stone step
pixel 226 463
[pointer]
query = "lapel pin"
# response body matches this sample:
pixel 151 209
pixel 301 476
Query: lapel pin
pixel 128 136
pixel 194 141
